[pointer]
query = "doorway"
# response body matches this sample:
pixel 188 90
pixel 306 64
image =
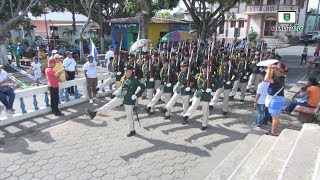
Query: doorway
pixel 268 24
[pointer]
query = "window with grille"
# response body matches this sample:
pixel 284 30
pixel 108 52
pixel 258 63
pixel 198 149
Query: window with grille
pixel 233 23
pixel 241 23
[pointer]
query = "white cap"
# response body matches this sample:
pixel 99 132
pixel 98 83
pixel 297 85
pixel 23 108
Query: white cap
pixel 54 51
pixel 57 56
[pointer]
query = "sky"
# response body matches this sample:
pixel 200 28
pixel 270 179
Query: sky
pixel 312 4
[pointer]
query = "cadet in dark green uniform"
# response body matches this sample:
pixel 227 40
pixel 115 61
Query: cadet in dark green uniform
pixel 168 79
pixel 148 77
pixel 226 81
pixel 157 65
pixel 244 71
pixel 181 90
pixel 203 95
pixel 131 89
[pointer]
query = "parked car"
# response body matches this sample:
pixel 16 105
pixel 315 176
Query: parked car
pixel 313 36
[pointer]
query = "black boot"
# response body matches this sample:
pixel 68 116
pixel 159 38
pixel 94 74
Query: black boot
pixel 203 128
pixel 224 113
pixel 131 133
pixel 97 89
pixel 91 114
pixel 231 98
pixel 58 113
pixel 210 107
pixel 185 120
pixel 148 109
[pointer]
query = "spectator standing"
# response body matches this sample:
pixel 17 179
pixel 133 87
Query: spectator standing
pixel 110 69
pixel 275 98
pixel 20 50
pixel 304 54
pixel 316 52
pixel 313 97
pixel 59 67
pixel 70 66
pixel 53 84
pixel 36 67
pixel 62 51
pixel 6 91
pixel 11 49
pixel 260 99
pixel 109 54
pixel 90 72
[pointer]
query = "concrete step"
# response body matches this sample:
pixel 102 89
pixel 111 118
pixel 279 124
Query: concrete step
pixel 304 155
pixel 231 162
pixel 271 166
pixel 249 165
pixel 316 174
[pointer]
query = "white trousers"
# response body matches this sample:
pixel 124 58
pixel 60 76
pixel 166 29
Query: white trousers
pixel 242 86
pixel 149 94
pixel 216 96
pixel 205 110
pixel 157 84
pixel 129 112
pixel 111 104
pixel 108 82
pixel 253 80
pixel 185 103
pixel 157 97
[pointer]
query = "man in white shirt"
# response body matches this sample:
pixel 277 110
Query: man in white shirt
pixel 70 66
pixel 6 91
pixel 109 54
pixel 90 72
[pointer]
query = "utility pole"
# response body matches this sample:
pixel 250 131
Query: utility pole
pixel 305 20
pixel 317 18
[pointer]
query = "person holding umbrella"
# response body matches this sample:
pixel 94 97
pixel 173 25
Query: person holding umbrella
pixel 131 88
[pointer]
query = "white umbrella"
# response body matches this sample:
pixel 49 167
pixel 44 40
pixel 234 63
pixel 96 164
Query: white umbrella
pixel 139 44
pixel 267 62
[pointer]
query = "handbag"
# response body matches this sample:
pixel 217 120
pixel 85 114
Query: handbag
pixel 268 100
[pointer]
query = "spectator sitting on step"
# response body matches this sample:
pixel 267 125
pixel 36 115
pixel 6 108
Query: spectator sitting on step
pixel 313 97
pixel 6 91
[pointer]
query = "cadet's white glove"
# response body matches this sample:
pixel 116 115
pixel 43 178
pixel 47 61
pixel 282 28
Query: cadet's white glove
pixel 208 90
pixel 232 77
pixel 151 79
pixel 244 77
pixel 118 73
pixel 137 90
pixel 169 85
pixel 134 97
pixel 247 73
pixel 188 88
pixel 228 82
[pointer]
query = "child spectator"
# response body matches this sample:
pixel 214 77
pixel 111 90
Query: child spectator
pixel 6 90
pixel 260 99
pixel 304 54
pixel 36 67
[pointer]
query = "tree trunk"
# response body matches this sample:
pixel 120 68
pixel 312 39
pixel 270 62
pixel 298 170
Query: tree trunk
pixel 101 29
pixel 74 27
pixel 144 26
pixel 3 48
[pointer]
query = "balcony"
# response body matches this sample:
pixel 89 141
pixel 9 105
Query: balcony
pixel 269 9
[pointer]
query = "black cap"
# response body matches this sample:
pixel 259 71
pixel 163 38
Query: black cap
pixel 131 56
pixel 184 63
pixel 243 55
pixel 225 59
pixel 186 55
pixel 204 65
pixel 173 53
pixel 166 60
pixel 129 67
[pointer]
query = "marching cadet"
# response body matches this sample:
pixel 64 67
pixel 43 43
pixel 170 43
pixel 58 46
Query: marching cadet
pixel 182 90
pixel 203 95
pixel 168 79
pixel 226 80
pixel 256 70
pixel 148 77
pixel 116 75
pixel 157 65
pixel 133 61
pixel 131 89
pixel 243 73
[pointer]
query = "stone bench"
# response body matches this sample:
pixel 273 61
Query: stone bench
pixel 305 114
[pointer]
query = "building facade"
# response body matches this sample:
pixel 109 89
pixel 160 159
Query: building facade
pixel 260 16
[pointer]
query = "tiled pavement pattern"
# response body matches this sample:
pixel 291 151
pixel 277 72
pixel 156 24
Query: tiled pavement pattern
pixel 78 148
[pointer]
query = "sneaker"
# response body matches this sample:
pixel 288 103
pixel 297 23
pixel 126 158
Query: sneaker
pixel 10 111
pixel 224 113
pixel 255 125
pixel 92 114
pixel 241 100
pixel 131 133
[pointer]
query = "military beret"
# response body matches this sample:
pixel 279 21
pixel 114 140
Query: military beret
pixel 225 59
pixel 204 65
pixel 129 67
pixel 243 55
pixel 184 63
pixel 165 60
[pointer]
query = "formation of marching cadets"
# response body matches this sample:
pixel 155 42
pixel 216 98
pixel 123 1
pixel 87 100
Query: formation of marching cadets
pixel 193 73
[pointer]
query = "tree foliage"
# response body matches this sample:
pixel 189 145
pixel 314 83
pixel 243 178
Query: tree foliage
pixel 206 22
pixel 164 14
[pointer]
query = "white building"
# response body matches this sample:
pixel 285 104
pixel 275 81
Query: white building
pixel 261 16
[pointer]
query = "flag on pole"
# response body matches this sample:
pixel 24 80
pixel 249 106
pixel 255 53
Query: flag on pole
pixel 93 51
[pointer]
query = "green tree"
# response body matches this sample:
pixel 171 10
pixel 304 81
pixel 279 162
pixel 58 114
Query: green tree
pixel 147 9
pixel 207 22
pixel 11 14
pixel 164 14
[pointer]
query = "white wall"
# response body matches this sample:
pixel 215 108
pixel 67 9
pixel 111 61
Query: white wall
pixel 255 23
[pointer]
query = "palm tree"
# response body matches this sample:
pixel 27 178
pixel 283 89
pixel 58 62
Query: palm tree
pixel 68 32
